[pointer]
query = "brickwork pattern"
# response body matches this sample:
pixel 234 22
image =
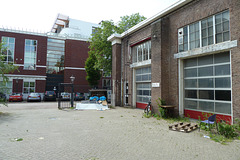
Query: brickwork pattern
pixel 121 134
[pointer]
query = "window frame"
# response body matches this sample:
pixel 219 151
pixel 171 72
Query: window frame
pixel 182 42
pixel 33 54
pixel 8 48
pixel 29 87
pixel 214 88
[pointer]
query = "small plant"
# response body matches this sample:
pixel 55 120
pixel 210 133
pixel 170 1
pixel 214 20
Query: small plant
pixel 161 110
pixel 227 130
pixel 147 115
pixel 101 117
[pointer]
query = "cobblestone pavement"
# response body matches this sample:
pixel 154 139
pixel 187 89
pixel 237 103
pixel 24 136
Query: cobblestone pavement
pixel 117 134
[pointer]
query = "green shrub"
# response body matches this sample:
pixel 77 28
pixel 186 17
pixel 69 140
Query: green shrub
pixel 227 130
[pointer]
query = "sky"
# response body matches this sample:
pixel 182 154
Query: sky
pixel 40 15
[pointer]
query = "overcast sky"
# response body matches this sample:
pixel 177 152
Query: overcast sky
pixel 40 15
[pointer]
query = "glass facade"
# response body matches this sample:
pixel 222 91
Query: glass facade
pixel 30 54
pixel 55 55
pixel 207 83
pixel 8 49
pixel 143 83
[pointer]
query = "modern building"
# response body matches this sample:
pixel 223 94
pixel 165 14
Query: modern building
pixel 188 55
pixel 46 59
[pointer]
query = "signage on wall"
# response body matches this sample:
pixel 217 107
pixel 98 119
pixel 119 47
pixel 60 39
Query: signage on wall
pixel 155 85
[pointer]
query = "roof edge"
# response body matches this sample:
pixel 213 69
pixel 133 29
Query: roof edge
pixel 150 20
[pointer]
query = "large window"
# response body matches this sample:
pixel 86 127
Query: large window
pixel 143 80
pixel 212 30
pixel 106 83
pixel 30 54
pixel 8 49
pixel 207 83
pixel 141 52
pixel 28 87
pixel 6 87
pixel 55 55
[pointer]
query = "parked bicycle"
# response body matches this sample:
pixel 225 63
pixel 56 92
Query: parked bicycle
pixel 148 109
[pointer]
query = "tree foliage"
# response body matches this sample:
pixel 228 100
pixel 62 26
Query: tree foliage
pixel 129 21
pixel 93 74
pixel 4 69
pixel 101 48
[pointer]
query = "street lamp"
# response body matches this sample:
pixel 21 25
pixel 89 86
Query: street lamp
pixel 72 78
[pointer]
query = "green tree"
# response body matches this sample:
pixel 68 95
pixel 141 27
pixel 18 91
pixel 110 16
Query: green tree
pixel 4 69
pixel 127 22
pixel 101 48
pixel 93 74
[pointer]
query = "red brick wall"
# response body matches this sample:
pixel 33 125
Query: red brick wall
pixel 17 87
pixel 76 53
pixel 19 52
pixel 40 86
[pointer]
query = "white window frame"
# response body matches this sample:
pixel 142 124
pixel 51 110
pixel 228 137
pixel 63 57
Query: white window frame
pixel 34 54
pixel 182 105
pixel 145 46
pixel 29 87
pixel 8 49
pixel 200 32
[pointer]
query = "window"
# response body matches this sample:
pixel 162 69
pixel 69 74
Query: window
pixel 194 35
pixel 143 74
pixel 214 29
pixel 141 52
pixel 55 55
pixel 8 49
pixel 30 54
pixel 28 87
pixel 6 87
pixel 183 39
pixel 222 26
pixel 143 80
pixel 207 83
pixel 207 31
pixel 106 83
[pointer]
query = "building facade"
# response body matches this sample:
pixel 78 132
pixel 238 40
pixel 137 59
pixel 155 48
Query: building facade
pixel 46 59
pixel 187 55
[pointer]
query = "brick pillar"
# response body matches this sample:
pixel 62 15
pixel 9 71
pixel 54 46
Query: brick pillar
pixel 116 73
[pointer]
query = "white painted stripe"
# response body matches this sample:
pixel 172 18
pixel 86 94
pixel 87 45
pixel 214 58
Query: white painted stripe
pixel 41 66
pixel 30 76
pixel 74 68
pixel 20 65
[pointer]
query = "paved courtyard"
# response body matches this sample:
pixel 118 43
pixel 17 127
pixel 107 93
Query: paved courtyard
pixel 117 134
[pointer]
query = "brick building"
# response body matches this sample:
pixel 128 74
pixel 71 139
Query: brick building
pixel 46 59
pixel 188 55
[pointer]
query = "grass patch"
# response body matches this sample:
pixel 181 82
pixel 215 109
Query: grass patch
pixel 101 117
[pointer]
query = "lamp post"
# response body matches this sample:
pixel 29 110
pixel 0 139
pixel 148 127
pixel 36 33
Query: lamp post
pixel 72 78
pixel 54 89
